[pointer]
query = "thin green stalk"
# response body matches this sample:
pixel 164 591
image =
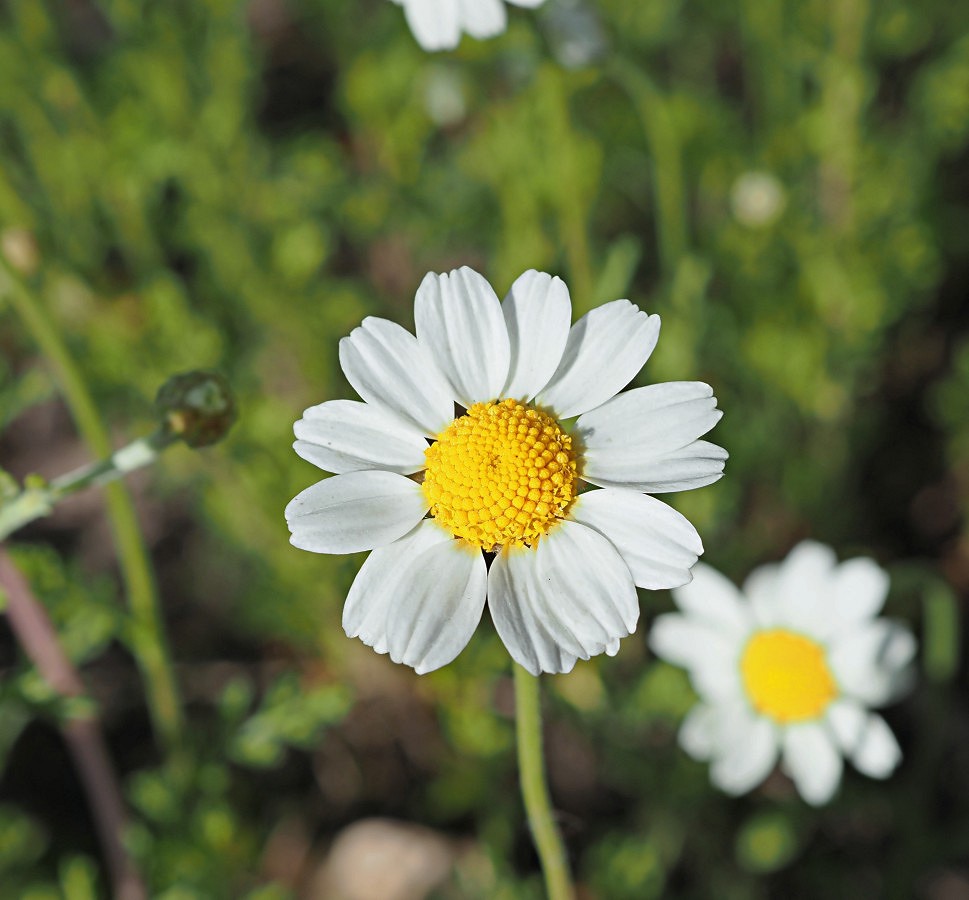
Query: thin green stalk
pixel 531 769
pixel 147 636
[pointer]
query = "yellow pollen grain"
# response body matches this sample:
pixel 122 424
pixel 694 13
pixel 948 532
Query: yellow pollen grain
pixel 786 676
pixel 493 477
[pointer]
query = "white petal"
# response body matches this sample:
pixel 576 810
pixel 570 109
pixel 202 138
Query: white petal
pixel 439 604
pixel 531 4
pixel 386 365
pixel 813 761
pixel 537 313
pixel 571 595
pixel 604 351
pixel 460 325
pixel 648 422
pixel 703 649
pixel 695 465
pixel 712 598
pixel 804 588
pixel 656 542
pixel 434 23
pixel 860 587
pixel 347 436
pixel 877 753
pixel 748 761
pixel 761 591
pixel 377 588
pixel 846 719
pixel 483 18
pixel 869 661
pixel 353 512
pixel 698 733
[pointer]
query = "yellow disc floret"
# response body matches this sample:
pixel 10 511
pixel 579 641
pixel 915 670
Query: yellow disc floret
pixel 786 676
pixel 504 473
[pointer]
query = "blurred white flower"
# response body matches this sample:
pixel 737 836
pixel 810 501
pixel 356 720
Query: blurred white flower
pixel 757 199
pixel 438 24
pixel 501 475
pixel 789 667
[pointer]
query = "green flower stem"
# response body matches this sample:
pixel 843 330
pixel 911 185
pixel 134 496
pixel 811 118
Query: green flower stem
pixel 531 768
pixel 147 637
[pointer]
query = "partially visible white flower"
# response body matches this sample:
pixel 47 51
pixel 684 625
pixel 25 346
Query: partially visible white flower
pixel 789 668
pixel 438 24
pixel 500 500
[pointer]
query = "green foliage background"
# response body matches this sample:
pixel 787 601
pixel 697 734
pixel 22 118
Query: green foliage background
pixel 235 185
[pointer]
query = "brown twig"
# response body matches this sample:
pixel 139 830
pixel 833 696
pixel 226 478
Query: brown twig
pixel 35 632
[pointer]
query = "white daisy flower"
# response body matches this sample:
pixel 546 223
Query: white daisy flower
pixel 438 24
pixel 789 668
pixel 458 458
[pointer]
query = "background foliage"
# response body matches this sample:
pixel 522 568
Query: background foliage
pixel 235 185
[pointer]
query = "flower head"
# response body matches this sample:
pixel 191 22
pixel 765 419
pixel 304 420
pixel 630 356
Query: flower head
pixel 438 24
pixel 788 667
pixel 459 457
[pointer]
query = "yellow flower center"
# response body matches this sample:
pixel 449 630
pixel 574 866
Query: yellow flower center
pixel 503 473
pixel 786 676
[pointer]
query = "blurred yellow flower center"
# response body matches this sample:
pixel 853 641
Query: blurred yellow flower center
pixel 786 676
pixel 504 473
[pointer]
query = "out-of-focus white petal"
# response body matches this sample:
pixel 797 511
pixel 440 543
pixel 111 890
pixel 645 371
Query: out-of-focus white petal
pixel 846 718
pixel 712 598
pixel 604 351
pixel 571 596
pixel 377 589
pixel 657 543
pixel 813 762
pixel 434 23
pixel 869 661
pixel 804 588
pixel 386 366
pixel 702 648
pixel 695 465
pixel 698 734
pixel 483 18
pixel 538 312
pixel 460 325
pixel 877 752
pixel 748 760
pixel 761 589
pixel 348 436
pixel 439 604
pixel 860 587
pixel 353 512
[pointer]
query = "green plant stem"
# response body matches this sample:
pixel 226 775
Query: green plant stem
pixel 531 768
pixel 147 636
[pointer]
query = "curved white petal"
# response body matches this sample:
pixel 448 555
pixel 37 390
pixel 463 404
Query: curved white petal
pixel 812 761
pixel 761 589
pixel 483 18
pixel 846 718
pixel 434 23
pixel 348 436
pixel 538 312
pixel 748 760
pixel 695 465
pixel 859 588
pixel 460 325
pixel 387 366
pixel 353 512
pixel 377 589
pixel 604 351
pixel 571 595
pixel 804 588
pixel 701 647
pixel 713 599
pixel 869 661
pixel 648 422
pixel 877 753
pixel 698 734
pixel 440 601
pixel 657 543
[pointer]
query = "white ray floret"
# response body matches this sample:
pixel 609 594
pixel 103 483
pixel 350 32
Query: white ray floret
pixel 439 24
